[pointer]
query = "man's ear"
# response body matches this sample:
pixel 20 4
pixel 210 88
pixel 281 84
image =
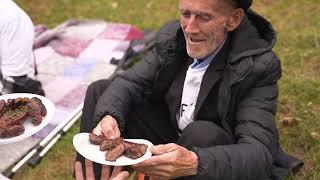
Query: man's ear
pixel 235 19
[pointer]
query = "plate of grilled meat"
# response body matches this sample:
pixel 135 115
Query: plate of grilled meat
pixel 22 115
pixel 113 152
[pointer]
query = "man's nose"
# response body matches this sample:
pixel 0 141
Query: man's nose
pixel 192 25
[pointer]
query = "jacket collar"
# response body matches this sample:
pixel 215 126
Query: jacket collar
pixel 254 36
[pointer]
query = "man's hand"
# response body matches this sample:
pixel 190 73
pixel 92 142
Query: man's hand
pixel 108 127
pixel 117 174
pixel 169 161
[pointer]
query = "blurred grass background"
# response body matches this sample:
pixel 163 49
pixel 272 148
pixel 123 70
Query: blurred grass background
pixel 298 27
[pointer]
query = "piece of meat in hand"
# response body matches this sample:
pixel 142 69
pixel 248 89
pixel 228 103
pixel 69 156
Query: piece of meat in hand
pixel 134 150
pixel 114 153
pixel 110 143
pixel 97 140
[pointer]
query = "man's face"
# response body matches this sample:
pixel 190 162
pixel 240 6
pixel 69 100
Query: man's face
pixel 204 26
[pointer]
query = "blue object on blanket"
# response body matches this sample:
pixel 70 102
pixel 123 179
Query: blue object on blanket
pixel 80 68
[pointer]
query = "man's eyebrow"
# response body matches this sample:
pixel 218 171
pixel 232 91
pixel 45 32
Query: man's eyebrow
pixel 182 9
pixel 201 13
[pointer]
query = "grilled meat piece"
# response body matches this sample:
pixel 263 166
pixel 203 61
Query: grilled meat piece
pixel 15 130
pixel 3 132
pixel 36 110
pixel 43 108
pixel 10 103
pixel 14 112
pixel 134 150
pixel 110 143
pixel 114 153
pixel 16 103
pixel 13 117
pixel 13 103
pixel 21 101
pixel 118 147
pixel 2 106
pixel 97 140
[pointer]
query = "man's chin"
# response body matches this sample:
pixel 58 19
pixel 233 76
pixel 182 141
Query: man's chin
pixel 196 55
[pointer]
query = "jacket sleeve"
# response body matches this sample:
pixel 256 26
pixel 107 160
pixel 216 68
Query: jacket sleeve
pixel 118 97
pixel 257 137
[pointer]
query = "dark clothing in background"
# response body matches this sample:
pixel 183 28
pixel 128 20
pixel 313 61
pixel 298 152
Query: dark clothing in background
pixel 21 84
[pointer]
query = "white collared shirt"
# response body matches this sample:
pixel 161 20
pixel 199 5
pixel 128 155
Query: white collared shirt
pixel 191 88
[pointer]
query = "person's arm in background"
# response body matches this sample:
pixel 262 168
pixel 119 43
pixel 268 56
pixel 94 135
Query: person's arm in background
pixel 138 82
pixel 133 83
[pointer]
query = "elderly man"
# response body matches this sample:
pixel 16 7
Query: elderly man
pixel 206 97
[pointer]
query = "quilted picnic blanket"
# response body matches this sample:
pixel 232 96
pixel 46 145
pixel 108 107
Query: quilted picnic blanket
pixel 68 58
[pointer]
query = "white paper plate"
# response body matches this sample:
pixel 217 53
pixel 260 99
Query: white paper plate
pixel 30 129
pixel 91 151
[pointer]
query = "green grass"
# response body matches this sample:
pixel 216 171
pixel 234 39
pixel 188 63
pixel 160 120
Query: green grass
pixel 144 14
pixel 298 27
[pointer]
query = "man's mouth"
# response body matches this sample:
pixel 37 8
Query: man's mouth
pixel 195 40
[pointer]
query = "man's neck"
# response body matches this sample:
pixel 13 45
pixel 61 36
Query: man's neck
pixel 209 57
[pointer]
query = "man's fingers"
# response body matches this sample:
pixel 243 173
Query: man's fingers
pixel 154 161
pixel 109 127
pixel 89 170
pixel 164 148
pixel 97 130
pixel 155 173
pixel 108 132
pixel 121 176
pixel 162 155
pixel 117 132
pixel 78 171
pixel 105 172
pixel 116 170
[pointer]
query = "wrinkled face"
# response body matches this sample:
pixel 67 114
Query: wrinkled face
pixel 204 25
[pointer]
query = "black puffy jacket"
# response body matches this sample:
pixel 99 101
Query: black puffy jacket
pixel 247 100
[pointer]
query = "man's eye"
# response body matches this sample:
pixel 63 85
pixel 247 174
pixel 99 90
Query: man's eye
pixel 204 17
pixel 186 14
